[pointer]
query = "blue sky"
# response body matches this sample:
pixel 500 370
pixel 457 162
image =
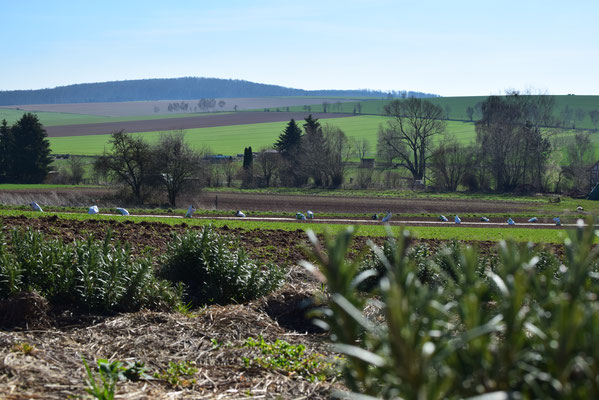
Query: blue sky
pixel 446 47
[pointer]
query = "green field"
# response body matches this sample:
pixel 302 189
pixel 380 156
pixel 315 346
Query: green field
pixel 233 139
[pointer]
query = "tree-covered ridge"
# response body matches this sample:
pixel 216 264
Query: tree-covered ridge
pixel 172 89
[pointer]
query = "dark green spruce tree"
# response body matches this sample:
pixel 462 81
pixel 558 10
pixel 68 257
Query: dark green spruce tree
pixel 248 157
pixel 28 151
pixel 5 140
pixel 289 143
pixel 290 147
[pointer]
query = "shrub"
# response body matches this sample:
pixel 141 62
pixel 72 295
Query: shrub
pixel 213 273
pixel 93 275
pixel 523 327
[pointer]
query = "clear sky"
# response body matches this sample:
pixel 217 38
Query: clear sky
pixel 451 48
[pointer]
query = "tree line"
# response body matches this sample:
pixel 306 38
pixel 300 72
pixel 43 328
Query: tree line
pixel 169 89
pixel 514 150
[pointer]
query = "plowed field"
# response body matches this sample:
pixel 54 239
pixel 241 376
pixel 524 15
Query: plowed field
pixel 206 121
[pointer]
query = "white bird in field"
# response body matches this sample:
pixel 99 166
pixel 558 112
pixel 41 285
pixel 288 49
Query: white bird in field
pixel 579 208
pixel 510 221
pixel 558 222
pixel 443 218
pixel 122 211
pixel 310 214
pixel 484 219
pixel 457 220
pixel 387 217
pixel 533 219
pixel 300 216
pixel 240 214
pixel 35 207
pixel 93 210
pixel 190 211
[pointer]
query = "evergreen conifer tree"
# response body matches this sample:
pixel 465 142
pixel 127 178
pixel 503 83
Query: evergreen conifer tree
pixel 289 143
pixel 28 151
pixel 5 139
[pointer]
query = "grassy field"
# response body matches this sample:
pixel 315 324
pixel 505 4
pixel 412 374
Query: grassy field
pixel 423 232
pixel 233 139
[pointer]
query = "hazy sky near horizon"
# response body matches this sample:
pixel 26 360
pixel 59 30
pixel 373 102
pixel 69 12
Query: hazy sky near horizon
pixel 452 48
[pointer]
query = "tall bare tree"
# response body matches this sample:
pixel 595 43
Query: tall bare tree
pixel 577 162
pixel 128 162
pixel 450 163
pixel 513 146
pixel 267 165
pixel 176 163
pixel 413 123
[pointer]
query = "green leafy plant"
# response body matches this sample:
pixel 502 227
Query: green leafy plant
pixel 105 389
pixel 178 374
pixel 110 372
pixel 24 348
pixel 93 275
pixel 213 273
pixel 522 325
pixel 289 358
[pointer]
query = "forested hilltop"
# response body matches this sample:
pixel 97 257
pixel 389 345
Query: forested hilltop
pixel 174 89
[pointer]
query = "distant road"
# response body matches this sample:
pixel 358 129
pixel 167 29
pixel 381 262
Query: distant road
pixel 167 124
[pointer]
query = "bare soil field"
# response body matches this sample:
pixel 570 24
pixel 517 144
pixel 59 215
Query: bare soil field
pixel 160 107
pixel 205 121
pixel 105 197
pixel 368 205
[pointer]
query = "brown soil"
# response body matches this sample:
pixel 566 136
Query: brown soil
pixel 367 205
pixel 167 124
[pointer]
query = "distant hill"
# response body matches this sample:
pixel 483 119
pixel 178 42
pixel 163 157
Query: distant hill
pixel 173 89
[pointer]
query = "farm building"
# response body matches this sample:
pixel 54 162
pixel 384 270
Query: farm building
pixel 367 163
pixel 594 175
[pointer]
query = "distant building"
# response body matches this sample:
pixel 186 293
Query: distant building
pixel 367 163
pixel 218 159
pixel 595 174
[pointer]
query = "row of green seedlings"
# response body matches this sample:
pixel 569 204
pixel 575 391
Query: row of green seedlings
pixel 455 324
pixel 279 356
pixel 102 276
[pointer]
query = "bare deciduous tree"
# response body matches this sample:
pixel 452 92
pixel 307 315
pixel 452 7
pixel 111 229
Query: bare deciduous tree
pixel 267 165
pixel 361 147
pixel 513 147
pixel 594 116
pixel 579 158
pixel 450 163
pixel 128 162
pixel 408 136
pixel 176 163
